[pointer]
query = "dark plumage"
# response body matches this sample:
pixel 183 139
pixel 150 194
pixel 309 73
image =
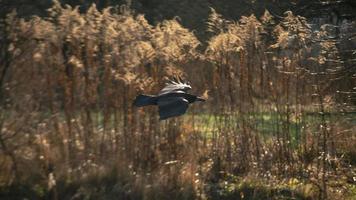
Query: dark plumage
pixel 172 100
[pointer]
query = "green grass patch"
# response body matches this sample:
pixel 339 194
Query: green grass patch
pixel 269 124
pixel 254 189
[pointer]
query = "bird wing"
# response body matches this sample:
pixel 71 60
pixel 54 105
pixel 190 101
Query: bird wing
pixel 172 107
pixel 175 86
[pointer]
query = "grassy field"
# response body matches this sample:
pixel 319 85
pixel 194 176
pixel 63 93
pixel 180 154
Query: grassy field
pixel 278 123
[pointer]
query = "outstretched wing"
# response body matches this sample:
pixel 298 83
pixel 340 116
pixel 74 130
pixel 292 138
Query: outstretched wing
pixel 175 86
pixel 172 107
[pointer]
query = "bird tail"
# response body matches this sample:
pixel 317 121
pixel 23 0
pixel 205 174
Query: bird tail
pixel 144 100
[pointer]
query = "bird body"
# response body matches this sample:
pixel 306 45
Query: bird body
pixel 172 100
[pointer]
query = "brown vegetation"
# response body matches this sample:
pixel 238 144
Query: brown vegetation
pixel 279 121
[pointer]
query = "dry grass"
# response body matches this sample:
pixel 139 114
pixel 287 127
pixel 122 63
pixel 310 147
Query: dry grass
pixel 68 129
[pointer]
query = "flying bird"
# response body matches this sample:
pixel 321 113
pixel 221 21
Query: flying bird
pixel 172 100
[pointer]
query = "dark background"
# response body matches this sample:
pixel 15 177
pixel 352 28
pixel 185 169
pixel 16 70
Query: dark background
pixel 193 14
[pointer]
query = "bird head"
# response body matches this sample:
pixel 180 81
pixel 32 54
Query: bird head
pixel 200 99
pixel 204 97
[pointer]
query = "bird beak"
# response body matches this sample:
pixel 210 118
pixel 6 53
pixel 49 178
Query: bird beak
pixel 201 99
